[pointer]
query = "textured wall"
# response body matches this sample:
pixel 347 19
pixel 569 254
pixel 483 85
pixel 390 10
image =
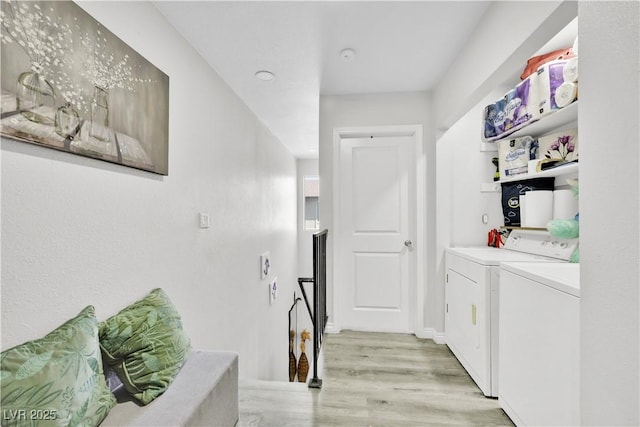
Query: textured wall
pixel 461 168
pixel 77 231
pixel 609 212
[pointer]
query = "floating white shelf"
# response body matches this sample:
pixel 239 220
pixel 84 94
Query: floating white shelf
pixel 564 118
pixel 566 170
pixel 488 147
pixel 489 187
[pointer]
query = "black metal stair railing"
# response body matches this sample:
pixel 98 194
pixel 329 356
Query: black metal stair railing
pixel 319 313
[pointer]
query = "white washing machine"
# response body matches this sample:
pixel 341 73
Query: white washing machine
pixel 540 343
pixel 472 297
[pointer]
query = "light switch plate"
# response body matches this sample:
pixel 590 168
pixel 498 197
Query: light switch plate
pixel 205 220
pixel 265 265
pixel 273 290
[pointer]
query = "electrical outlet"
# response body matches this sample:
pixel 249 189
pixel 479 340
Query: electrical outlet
pixel 265 265
pixel 273 290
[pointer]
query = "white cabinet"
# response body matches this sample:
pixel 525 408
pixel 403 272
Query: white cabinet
pixel 539 344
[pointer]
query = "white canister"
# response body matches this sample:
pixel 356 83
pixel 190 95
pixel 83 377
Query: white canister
pixel 565 205
pixel 539 208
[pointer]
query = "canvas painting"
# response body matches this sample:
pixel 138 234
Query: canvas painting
pixel 70 84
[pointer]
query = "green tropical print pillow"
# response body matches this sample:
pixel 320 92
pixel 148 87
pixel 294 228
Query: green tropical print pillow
pixel 56 380
pixel 146 345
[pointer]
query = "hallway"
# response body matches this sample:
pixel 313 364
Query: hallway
pixel 375 379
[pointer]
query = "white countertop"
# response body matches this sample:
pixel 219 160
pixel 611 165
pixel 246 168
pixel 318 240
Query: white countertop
pixel 487 255
pixel 562 276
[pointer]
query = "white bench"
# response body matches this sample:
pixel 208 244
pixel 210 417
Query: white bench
pixel 204 393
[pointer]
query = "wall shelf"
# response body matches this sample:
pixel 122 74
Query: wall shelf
pixel 566 170
pixel 559 120
pixel 510 228
pixel 562 119
pixel 490 187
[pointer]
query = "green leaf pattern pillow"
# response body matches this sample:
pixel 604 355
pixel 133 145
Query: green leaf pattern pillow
pixel 146 345
pixel 56 380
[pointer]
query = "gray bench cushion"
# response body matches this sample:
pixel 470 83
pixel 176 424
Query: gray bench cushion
pixel 204 393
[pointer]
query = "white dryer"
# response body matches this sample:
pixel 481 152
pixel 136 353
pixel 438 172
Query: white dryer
pixel 540 343
pixel 472 297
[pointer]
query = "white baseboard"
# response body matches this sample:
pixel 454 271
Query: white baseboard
pixel 430 333
pixel 331 328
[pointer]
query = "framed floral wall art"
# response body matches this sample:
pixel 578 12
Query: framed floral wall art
pixel 70 84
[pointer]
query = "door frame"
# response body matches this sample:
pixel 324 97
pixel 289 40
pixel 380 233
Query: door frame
pixel 417 289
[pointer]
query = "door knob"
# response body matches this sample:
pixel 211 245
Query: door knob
pixel 408 243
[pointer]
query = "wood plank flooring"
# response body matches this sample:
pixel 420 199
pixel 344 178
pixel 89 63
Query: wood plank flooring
pixel 375 379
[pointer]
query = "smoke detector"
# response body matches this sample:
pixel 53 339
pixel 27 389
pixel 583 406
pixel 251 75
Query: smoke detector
pixel 265 76
pixel 347 54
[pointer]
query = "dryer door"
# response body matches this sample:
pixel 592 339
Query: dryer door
pixel 466 320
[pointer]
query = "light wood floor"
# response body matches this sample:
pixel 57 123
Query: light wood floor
pixel 374 379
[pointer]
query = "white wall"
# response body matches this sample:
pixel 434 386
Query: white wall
pixel 412 108
pixel 464 168
pixel 77 231
pixel 461 168
pixel 609 212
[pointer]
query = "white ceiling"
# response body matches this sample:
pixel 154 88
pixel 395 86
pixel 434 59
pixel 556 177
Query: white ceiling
pixel 399 46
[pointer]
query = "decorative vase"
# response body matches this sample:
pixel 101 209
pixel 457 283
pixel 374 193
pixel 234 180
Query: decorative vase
pixel 303 362
pixel 303 368
pixel 292 357
pixel 100 115
pixel 33 92
pixel 67 121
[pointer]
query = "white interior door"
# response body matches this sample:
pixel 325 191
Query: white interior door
pixel 376 259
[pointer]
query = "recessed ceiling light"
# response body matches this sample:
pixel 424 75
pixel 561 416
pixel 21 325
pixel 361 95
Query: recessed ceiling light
pixel 347 54
pixel 264 75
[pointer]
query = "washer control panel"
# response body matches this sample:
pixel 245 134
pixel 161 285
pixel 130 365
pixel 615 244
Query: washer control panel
pixel 540 242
